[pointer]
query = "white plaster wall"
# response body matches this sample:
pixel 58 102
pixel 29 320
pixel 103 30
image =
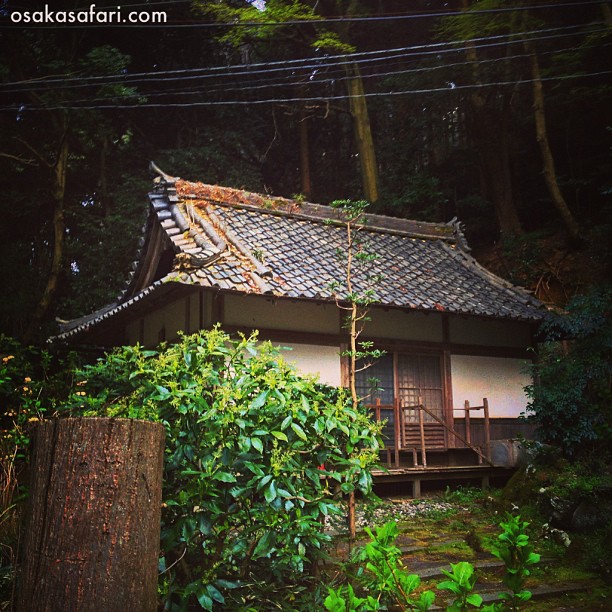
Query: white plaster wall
pixel 171 317
pixel 470 330
pixel 194 312
pixel 323 361
pixel 501 380
pixel 258 312
pixel 399 325
pixel 153 323
pixel 132 331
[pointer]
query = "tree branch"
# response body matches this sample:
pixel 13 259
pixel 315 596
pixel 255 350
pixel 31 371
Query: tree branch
pixel 30 148
pixel 21 160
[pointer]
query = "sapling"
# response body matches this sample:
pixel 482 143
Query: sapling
pixel 382 577
pixel 515 550
pixel 355 302
pixel 460 582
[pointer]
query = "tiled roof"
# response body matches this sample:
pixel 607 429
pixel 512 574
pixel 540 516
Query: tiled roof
pixel 239 241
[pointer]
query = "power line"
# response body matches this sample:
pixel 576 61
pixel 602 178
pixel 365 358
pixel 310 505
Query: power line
pixel 272 84
pixel 325 99
pixel 284 66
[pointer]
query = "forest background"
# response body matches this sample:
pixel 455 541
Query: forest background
pixel 494 112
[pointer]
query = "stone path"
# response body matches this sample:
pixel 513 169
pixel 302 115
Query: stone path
pixel 420 557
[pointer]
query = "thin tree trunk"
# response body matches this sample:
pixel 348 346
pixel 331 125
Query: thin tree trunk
pixel 93 521
pixel 363 133
pixel 104 176
pixel 550 175
pixel 362 128
pixel 60 170
pixel 305 156
pixel 490 132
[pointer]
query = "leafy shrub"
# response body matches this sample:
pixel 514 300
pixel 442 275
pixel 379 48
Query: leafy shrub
pixel 256 457
pixel 32 383
pixel 460 581
pixel 572 398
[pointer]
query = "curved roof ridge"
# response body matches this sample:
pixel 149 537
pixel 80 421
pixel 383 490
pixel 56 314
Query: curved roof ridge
pixel 276 205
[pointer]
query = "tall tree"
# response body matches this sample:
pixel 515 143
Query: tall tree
pixel 550 174
pixel 46 133
pixel 489 121
pixel 262 21
pixel 515 29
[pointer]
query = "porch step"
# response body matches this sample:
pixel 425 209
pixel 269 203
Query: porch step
pixel 417 475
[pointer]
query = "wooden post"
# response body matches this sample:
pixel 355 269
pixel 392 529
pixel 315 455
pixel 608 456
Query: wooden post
pixel 485 405
pixel 352 519
pixel 397 430
pixel 93 517
pixel 468 427
pixel 422 432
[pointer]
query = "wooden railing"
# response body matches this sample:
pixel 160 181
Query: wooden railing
pixel 487 427
pixel 436 434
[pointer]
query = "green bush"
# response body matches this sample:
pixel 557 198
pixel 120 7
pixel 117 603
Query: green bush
pixel 572 396
pixel 256 458
pixel 32 383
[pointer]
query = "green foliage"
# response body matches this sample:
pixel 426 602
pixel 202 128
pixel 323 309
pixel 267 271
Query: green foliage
pixel 523 258
pixel 421 197
pixel 379 580
pixel 331 42
pixel 464 495
pixel 597 550
pixel 571 401
pixel 255 22
pixel 255 459
pixel 345 600
pixel 378 570
pixel 32 383
pixel 515 550
pixel 460 582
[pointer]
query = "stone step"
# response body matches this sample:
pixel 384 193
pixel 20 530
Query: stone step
pixel 435 571
pixel 540 592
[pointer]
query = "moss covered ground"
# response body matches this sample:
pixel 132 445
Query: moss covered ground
pixel 463 525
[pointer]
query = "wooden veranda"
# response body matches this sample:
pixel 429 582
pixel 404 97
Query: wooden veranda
pixel 420 445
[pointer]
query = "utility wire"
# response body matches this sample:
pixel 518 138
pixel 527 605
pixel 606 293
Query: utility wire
pixel 325 99
pixel 316 81
pixel 288 65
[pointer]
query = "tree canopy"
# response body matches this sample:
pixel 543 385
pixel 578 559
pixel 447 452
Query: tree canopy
pixel 430 110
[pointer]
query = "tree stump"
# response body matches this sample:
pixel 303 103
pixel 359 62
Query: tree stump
pixel 93 519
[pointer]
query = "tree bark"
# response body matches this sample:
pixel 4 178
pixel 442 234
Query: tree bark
pixel 60 171
pixel 363 134
pixel 550 174
pixel 490 133
pixel 93 520
pixel 305 155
